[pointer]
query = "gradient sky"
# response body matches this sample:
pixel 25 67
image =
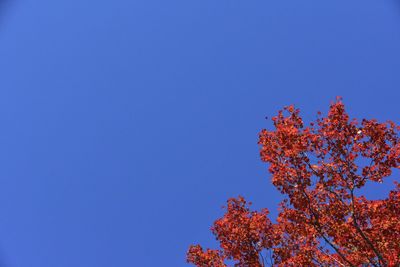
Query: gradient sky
pixel 125 125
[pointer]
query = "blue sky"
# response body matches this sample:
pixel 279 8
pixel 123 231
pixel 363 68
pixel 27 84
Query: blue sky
pixel 125 125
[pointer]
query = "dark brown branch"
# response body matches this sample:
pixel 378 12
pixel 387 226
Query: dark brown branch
pixel 357 226
pixel 320 231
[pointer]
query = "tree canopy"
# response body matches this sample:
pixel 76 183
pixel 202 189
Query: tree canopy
pixel 324 219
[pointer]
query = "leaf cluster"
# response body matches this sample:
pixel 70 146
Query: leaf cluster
pixel 323 220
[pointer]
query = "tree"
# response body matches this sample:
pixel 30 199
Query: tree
pixel 324 220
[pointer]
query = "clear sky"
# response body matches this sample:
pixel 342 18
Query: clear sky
pixel 125 125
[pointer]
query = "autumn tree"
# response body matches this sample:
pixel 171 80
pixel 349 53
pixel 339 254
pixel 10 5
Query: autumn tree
pixel 324 220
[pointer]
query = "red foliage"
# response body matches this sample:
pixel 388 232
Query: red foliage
pixel 322 221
